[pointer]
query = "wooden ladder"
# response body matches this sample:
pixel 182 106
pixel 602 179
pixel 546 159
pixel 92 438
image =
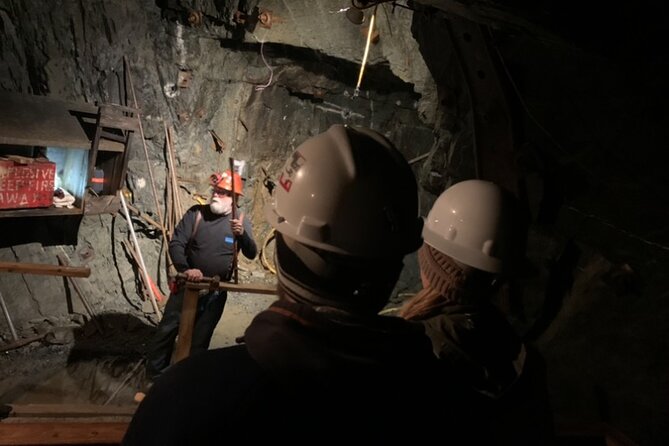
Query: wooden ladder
pixel 115 123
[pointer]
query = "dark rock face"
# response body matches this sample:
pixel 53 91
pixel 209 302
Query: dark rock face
pixel 261 99
pixel 589 124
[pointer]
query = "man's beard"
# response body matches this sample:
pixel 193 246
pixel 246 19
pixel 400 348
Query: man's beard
pixel 221 206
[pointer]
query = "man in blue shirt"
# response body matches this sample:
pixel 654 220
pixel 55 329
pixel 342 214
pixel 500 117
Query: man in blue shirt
pixel 202 246
pixel 320 365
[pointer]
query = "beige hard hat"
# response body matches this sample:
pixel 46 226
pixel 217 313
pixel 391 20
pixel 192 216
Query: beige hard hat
pixel 348 191
pixel 471 223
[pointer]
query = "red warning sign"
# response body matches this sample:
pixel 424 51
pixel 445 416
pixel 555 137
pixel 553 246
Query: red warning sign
pixel 28 185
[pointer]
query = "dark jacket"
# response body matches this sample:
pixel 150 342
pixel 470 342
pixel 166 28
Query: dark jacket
pixel 506 377
pixel 209 248
pixel 305 376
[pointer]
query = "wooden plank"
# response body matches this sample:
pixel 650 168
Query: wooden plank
pixel 40 212
pixel 69 410
pixel 63 261
pixel 590 430
pixel 62 433
pixel 21 342
pixel 254 288
pixel 119 122
pixel 104 204
pixel 107 145
pixel 93 153
pixel 189 308
pixel 42 269
pixel 111 135
pixel 29 120
pixel 186 324
pixel 118 109
pixel 240 287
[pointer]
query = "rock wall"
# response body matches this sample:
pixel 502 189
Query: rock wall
pixel 591 132
pixel 590 127
pixel 263 93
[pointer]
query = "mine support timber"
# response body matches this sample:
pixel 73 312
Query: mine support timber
pixel 189 308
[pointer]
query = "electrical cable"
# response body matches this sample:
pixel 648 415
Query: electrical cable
pixel 263 259
pixel 271 71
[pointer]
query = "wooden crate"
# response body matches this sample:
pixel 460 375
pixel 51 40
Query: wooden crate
pixel 26 183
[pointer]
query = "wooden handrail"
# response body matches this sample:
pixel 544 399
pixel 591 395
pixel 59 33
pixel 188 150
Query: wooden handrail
pixel 42 269
pixel 206 283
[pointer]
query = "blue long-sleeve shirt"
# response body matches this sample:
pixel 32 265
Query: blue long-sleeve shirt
pixel 210 249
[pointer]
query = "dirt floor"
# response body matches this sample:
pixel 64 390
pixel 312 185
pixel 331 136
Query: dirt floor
pixel 78 365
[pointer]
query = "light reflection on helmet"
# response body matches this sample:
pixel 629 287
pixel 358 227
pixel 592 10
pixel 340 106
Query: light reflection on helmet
pixel 348 191
pixel 471 222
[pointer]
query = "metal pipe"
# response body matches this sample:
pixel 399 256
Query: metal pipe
pixel 142 266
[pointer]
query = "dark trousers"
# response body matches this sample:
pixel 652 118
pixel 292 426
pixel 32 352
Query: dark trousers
pixel 209 310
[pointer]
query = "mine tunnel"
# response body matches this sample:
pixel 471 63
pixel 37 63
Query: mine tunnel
pixel 119 118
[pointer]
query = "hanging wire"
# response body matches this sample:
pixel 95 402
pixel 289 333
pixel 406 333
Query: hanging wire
pixel 271 71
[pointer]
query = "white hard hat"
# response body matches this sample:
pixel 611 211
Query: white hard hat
pixel 350 192
pixel 470 222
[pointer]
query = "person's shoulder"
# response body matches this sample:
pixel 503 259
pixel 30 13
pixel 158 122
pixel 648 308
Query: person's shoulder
pixel 218 363
pixel 195 208
pixel 195 212
pixel 224 373
pixel 198 398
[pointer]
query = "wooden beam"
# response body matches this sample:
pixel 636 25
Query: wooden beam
pixel 189 307
pixel 62 433
pixel 186 323
pixel 580 430
pixel 69 410
pixel 42 269
pixel 104 204
pixel 254 288
pixel 64 262
pixel 30 120
pixel 241 287
pixel 38 212
pixel 21 342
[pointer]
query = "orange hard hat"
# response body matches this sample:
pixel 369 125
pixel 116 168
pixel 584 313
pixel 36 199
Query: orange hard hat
pixel 224 181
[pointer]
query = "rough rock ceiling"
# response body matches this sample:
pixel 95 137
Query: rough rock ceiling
pixel 604 120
